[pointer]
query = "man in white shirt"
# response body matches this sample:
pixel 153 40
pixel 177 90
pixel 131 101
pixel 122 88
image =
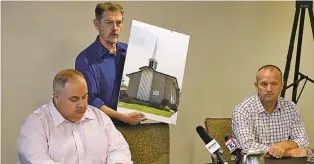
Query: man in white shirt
pixel 69 131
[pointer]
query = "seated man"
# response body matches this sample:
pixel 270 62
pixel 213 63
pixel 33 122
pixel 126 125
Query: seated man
pixel 268 122
pixel 68 131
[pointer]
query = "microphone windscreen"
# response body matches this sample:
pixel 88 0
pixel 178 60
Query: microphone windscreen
pixel 227 137
pixel 202 133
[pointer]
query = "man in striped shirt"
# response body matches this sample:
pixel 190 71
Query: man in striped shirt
pixel 268 122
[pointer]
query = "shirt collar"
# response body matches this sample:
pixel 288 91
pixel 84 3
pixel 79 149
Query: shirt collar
pixel 278 105
pixel 58 118
pixel 102 51
pixel 55 114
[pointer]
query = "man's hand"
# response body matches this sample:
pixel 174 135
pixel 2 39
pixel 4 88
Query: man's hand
pixel 134 118
pixel 298 152
pixel 277 150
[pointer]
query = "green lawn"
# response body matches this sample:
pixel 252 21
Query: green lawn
pixel 145 109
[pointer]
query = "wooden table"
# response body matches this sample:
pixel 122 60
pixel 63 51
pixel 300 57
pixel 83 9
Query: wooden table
pixel 287 161
pixel 283 161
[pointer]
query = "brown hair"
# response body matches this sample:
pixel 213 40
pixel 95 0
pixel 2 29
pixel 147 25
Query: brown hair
pixel 107 6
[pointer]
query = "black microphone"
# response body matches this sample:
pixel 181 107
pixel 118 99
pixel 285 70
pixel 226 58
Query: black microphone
pixel 211 145
pixel 233 147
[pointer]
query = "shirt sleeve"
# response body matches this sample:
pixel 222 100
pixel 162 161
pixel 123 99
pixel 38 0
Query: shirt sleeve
pixel 242 129
pixel 93 92
pixel 118 151
pixel 298 133
pixel 32 143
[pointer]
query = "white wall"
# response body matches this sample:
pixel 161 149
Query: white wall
pixel 229 42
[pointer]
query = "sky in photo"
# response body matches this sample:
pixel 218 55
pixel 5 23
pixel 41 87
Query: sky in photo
pixel 171 51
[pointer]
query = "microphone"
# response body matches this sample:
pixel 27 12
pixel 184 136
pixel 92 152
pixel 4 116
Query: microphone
pixel 233 147
pixel 211 145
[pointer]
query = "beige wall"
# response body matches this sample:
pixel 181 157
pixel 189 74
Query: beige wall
pixel 0 84
pixel 229 41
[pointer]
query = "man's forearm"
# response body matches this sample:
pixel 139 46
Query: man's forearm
pixel 287 153
pixel 298 152
pixel 112 113
pixel 290 145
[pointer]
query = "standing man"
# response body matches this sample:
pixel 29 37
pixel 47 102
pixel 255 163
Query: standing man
pixel 268 122
pixel 102 63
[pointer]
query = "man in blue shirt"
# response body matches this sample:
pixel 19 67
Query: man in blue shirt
pixel 102 63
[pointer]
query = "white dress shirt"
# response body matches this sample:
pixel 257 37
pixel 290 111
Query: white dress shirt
pixel 47 138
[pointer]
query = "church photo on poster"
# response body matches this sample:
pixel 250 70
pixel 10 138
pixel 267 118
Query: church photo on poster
pixel 153 72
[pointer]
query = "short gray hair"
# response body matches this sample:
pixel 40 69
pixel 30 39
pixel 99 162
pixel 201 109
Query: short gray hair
pixel 63 77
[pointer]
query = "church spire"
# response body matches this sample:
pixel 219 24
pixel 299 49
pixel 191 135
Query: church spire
pixel 152 61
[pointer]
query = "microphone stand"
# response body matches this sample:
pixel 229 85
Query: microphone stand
pixel 300 5
pixel 220 159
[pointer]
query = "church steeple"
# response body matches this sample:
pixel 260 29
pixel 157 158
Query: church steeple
pixel 152 61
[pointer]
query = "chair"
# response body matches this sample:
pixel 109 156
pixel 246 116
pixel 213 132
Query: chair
pixel 218 128
pixel 149 143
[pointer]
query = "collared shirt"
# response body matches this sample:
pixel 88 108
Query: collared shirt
pixel 103 73
pixel 255 129
pixel 47 138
